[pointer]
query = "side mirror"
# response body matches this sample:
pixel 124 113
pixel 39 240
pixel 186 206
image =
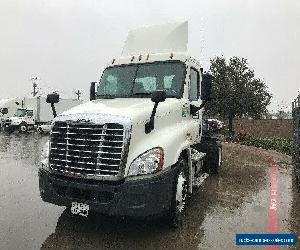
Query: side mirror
pixel 93 91
pixel 52 98
pixel 206 87
pixel 158 96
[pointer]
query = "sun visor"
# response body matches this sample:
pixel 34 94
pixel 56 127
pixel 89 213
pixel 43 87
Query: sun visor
pixel 171 37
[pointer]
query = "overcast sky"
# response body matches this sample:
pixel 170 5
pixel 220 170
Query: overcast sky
pixel 68 42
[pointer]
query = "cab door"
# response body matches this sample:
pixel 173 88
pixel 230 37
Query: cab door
pixel 29 117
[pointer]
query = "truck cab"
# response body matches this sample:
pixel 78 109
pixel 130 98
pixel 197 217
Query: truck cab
pixel 23 120
pixel 8 109
pixel 135 148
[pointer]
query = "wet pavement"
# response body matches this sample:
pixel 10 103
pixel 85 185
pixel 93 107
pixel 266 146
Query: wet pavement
pixel 236 201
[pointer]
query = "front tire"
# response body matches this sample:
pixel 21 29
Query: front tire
pixel 23 127
pixel 179 196
pixel 40 130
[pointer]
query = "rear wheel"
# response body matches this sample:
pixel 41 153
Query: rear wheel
pixel 180 192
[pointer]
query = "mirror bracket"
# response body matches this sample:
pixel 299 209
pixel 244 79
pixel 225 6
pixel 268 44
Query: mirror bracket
pixel 156 97
pixel 194 109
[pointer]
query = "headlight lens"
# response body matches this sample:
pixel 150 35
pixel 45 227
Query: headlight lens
pixel 45 155
pixel 147 163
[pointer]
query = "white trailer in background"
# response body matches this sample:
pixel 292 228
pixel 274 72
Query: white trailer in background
pixel 34 112
pixel 8 108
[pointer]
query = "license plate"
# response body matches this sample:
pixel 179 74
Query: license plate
pixel 80 209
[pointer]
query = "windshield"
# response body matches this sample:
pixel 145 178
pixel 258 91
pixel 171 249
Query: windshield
pixel 140 80
pixel 20 112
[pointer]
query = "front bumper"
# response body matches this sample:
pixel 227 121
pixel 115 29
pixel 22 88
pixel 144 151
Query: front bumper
pixel 9 127
pixel 132 197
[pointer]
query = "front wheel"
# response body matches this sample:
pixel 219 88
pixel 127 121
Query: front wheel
pixel 179 195
pixel 40 130
pixel 23 127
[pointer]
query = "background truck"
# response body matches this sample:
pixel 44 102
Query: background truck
pixel 296 139
pixel 136 149
pixel 34 112
pixel 8 108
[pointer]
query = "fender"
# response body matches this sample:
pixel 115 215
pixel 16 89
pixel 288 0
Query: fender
pixel 173 139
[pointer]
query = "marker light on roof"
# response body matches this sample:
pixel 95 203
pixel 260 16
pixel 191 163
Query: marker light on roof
pixel 140 57
pixel 171 56
pixel 113 61
pixel 132 58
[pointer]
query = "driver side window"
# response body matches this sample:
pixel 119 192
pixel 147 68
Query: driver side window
pixel 194 85
pixel 29 113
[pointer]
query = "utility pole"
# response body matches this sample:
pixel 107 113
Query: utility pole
pixel 78 93
pixel 34 85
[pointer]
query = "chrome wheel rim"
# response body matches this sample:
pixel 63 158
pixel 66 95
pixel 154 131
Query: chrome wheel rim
pixel 220 157
pixel 23 128
pixel 181 192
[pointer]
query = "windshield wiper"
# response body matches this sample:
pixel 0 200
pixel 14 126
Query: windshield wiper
pixel 142 94
pixel 106 96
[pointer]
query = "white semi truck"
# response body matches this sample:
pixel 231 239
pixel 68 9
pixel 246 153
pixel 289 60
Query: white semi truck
pixel 136 149
pixel 8 108
pixel 35 111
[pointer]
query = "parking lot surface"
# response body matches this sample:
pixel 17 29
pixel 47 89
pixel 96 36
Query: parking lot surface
pixel 236 201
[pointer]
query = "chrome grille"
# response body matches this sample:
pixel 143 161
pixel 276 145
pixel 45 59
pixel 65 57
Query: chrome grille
pixel 86 150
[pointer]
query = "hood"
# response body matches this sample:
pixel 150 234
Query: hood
pixel 136 109
pixel 16 120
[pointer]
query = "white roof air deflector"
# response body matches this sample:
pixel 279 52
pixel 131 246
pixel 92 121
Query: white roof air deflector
pixel 171 37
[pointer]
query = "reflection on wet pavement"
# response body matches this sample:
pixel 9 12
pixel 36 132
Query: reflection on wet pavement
pixel 236 201
pixel 25 220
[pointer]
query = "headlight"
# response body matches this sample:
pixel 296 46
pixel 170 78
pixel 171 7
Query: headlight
pixel 45 155
pixel 147 163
